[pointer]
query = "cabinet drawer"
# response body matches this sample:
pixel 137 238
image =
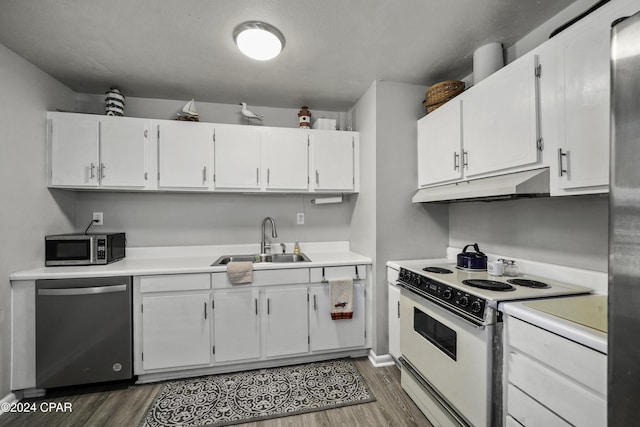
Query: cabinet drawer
pixel 175 282
pixel 356 272
pixel 582 364
pixel 560 394
pixel 528 412
pixel 265 277
pixel 392 275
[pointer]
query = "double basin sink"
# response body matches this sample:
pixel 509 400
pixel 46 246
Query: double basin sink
pixel 262 258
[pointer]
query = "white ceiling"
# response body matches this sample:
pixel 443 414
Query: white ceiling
pixel 334 48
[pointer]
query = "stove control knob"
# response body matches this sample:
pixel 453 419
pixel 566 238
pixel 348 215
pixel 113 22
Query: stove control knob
pixel 476 306
pixel 447 294
pixel 463 301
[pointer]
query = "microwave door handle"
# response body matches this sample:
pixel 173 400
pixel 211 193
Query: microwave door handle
pixel 92 250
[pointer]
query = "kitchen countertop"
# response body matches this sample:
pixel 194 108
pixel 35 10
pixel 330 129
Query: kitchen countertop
pixel 582 319
pixel 196 259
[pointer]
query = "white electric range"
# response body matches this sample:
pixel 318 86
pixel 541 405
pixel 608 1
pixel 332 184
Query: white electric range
pixel 450 337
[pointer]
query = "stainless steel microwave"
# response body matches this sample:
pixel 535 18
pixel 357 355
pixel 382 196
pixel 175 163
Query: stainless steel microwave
pixel 84 249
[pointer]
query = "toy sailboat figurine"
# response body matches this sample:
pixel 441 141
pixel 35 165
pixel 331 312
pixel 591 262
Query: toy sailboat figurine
pixel 189 112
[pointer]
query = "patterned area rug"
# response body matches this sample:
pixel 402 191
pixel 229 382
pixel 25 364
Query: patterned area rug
pixel 241 397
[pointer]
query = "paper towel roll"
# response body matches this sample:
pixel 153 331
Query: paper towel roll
pixel 487 60
pixel 325 200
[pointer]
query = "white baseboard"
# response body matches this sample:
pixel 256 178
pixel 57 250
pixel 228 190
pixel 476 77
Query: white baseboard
pixel 8 399
pixel 380 361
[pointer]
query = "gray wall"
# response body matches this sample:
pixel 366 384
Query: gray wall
pixel 28 210
pixel 386 225
pixel 178 219
pixel 173 219
pixel 570 231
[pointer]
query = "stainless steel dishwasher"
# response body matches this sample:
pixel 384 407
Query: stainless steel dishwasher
pixel 83 331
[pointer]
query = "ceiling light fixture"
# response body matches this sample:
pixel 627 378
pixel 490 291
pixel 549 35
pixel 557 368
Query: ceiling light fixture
pixel 258 40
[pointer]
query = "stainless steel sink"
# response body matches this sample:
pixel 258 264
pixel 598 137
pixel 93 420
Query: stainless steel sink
pixel 262 258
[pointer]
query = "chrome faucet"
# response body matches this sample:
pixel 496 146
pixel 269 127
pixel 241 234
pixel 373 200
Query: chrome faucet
pixel 264 246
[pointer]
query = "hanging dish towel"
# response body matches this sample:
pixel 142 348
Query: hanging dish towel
pixel 341 298
pixel 240 272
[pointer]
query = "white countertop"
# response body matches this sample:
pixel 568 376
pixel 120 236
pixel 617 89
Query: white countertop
pixel 560 324
pixel 196 259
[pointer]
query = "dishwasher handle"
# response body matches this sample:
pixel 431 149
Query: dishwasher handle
pixel 83 291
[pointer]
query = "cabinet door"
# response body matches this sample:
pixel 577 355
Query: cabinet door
pixel 175 331
pixel 285 159
pixel 236 325
pixel 237 157
pixel 394 321
pixel 286 321
pixel 123 152
pixel 439 145
pixel 74 151
pixel 328 334
pixel 332 159
pixel 584 92
pixel 183 154
pixel 500 120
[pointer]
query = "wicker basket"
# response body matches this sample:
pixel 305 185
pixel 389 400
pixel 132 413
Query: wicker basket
pixel 442 92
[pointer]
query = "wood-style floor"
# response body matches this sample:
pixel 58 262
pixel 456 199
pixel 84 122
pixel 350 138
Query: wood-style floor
pixel 127 406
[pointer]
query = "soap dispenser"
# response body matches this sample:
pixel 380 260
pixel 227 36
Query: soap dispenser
pixel 296 249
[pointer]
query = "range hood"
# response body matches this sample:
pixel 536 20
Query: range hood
pixel 533 183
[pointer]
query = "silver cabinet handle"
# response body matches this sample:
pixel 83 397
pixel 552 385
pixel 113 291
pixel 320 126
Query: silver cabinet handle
pixel 456 161
pixel 83 291
pixel 146 176
pixel 204 174
pixel 257 176
pixel 398 309
pixel 317 177
pixel 465 159
pixel 268 306
pixel 205 311
pixel 561 155
pixel 102 167
pixel 146 133
pixel 256 302
pixel 315 305
pixel 268 175
pixel 93 168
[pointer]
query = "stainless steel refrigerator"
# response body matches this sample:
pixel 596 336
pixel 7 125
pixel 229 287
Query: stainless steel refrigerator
pixel 624 226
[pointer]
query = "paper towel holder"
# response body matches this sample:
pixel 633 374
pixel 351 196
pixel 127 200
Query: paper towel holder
pixel 327 200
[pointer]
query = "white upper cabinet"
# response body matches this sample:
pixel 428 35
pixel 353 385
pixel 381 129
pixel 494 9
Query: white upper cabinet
pixel 285 159
pixel 500 125
pixel 121 153
pixel 584 101
pixel 98 151
pixel 237 157
pixel 124 144
pixel 439 140
pixel 183 154
pixel 74 151
pixel 332 160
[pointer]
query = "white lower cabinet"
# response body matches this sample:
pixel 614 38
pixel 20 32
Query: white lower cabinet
pixel 328 334
pixel 394 314
pixel 202 322
pixel 175 331
pixel 551 380
pixel 236 325
pixel 286 326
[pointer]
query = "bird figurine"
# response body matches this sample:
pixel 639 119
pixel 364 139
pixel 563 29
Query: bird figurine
pixel 248 113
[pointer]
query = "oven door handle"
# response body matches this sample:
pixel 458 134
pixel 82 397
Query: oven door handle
pixel 458 314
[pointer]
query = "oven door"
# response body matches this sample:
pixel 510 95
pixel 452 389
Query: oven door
pixel 451 358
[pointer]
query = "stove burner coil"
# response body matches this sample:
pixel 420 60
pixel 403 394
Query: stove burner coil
pixel 490 285
pixel 529 283
pixel 438 270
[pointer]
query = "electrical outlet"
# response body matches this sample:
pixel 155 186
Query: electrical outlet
pixel 98 219
pixel 300 218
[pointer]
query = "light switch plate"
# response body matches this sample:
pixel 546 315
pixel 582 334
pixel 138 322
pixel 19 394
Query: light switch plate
pixel 300 218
